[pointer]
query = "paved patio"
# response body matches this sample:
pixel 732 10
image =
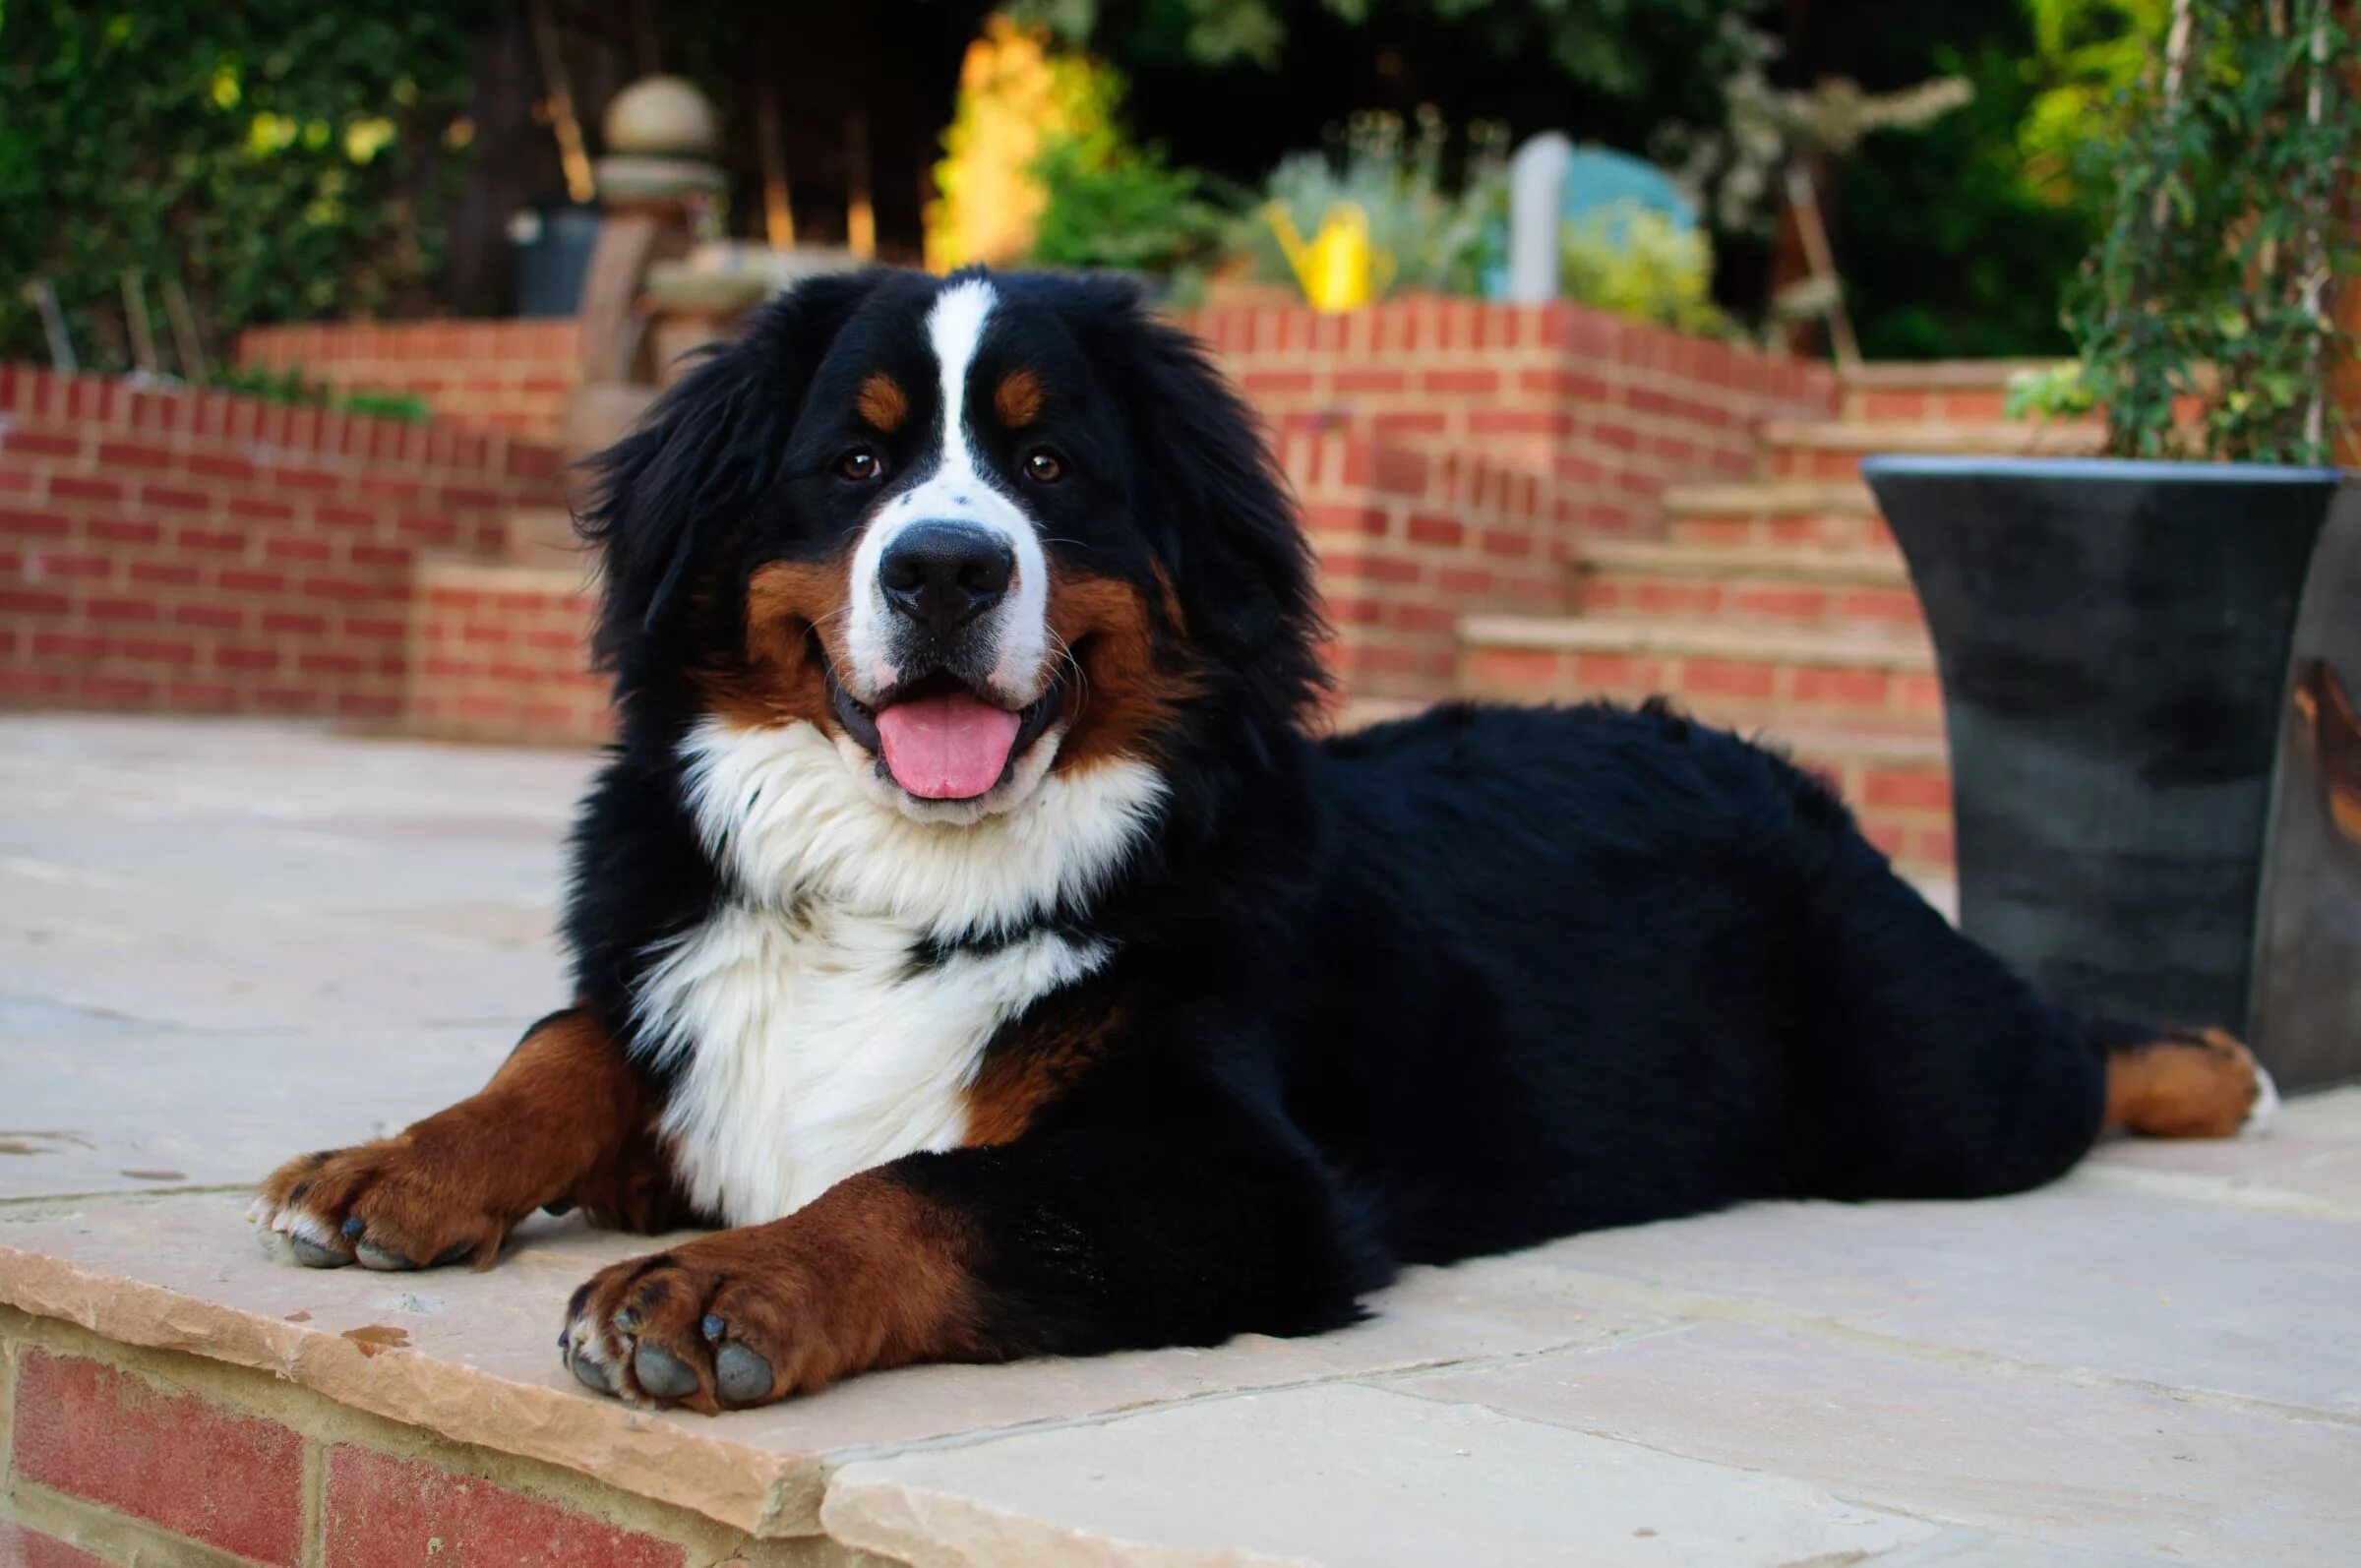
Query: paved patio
pixel 224 943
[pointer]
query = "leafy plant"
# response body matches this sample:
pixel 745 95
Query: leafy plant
pixel 1635 262
pixel 1436 238
pixel 1113 202
pixel 270 154
pixel 2229 232
pixel 291 386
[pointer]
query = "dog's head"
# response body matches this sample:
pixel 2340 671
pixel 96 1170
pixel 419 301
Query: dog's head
pixel 975 532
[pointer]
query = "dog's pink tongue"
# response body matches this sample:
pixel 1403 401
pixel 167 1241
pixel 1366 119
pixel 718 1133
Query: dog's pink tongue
pixel 946 747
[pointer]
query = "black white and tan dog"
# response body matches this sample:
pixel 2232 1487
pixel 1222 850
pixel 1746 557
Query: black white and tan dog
pixel 969 922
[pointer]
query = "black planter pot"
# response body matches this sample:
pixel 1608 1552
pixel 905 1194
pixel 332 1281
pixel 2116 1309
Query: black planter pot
pixel 2120 651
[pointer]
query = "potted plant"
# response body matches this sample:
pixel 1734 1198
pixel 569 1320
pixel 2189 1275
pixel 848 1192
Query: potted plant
pixel 2123 658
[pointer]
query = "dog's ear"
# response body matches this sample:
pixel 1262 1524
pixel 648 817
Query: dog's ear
pixel 1219 512
pixel 705 455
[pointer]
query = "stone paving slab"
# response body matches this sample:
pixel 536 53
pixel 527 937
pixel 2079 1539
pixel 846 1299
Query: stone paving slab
pixel 224 943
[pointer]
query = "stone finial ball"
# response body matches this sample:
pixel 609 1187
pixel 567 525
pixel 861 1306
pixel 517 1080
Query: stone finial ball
pixel 661 115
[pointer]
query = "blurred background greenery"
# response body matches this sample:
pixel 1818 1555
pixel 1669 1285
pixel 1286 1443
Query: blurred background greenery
pixel 279 159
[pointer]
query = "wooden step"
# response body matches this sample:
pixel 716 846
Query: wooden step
pixel 1800 588
pixel 1750 676
pixel 1827 515
pixel 1833 450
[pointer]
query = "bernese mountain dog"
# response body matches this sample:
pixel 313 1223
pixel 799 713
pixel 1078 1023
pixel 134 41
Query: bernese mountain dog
pixel 970 925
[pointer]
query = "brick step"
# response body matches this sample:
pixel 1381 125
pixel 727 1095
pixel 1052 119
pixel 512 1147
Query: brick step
pixel 1899 786
pixel 1750 678
pixel 1935 391
pixel 1801 589
pixel 500 653
pixel 1765 513
pixel 1834 448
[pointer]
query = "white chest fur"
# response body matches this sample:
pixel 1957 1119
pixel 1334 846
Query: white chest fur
pixel 809 1043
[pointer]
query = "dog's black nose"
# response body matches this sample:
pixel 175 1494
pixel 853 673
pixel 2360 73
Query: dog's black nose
pixel 943 575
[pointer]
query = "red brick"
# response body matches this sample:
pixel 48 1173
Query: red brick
pixel 125 531
pixel 32 601
pixel 73 487
pixel 38 524
pixel 1533 669
pixel 1726 678
pixel 1484 383
pixel 134 454
pixel 1427 528
pixel 389 1512
pixel 1907 791
pixel 214 617
pixel 1854 687
pixel 230 1481
pixel 256 507
pixel 29 1548
pixel 176 573
pixel 119 609
pixel 42 443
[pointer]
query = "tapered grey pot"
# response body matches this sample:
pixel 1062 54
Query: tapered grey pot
pixel 2117 642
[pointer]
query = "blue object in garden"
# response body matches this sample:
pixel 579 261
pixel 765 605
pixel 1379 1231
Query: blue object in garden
pixel 552 258
pixel 1618 185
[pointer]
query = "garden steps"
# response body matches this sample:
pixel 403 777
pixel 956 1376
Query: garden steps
pixel 1833 450
pixel 1802 588
pixel 1827 515
pixel 1944 390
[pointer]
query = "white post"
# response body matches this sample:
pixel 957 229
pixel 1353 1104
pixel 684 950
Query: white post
pixel 1536 195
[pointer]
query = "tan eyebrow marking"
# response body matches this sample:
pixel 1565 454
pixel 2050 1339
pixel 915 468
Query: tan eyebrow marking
pixel 882 401
pixel 1018 398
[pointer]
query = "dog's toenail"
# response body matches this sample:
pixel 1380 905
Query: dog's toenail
pixel 373 1256
pixel 355 1226
pixel 453 1253
pixel 590 1374
pixel 312 1255
pixel 740 1377
pixel 562 1206
pixel 714 1328
pixel 662 1373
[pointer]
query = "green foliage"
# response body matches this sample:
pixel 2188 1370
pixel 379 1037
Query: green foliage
pixel 1434 237
pixel 1113 202
pixel 2227 236
pixel 1636 263
pixel 290 386
pixel 268 154
pixel 1591 42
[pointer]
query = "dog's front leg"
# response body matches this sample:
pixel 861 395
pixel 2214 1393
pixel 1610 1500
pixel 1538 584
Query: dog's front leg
pixel 565 1120
pixel 1182 1218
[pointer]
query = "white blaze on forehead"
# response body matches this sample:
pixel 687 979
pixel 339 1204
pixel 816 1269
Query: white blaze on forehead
pixel 956 490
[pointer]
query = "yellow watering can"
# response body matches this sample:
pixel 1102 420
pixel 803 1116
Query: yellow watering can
pixel 1338 268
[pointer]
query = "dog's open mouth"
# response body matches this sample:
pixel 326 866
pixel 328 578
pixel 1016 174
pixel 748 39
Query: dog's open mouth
pixel 940 740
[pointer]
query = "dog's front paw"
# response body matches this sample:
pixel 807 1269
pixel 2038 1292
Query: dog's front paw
pixel 710 1325
pixel 384 1205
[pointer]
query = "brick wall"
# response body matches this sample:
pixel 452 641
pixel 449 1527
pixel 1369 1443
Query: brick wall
pixel 220 553
pixel 116 1456
pixel 1408 541
pixel 511 376
pixel 1609 413
pixel 501 655
pixel 1449 456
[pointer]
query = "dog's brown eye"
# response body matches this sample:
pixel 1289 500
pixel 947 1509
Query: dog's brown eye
pixel 859 463
pixel 1042 467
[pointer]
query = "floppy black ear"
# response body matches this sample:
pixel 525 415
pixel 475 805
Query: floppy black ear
pixel 1221 515
pixel 704 455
